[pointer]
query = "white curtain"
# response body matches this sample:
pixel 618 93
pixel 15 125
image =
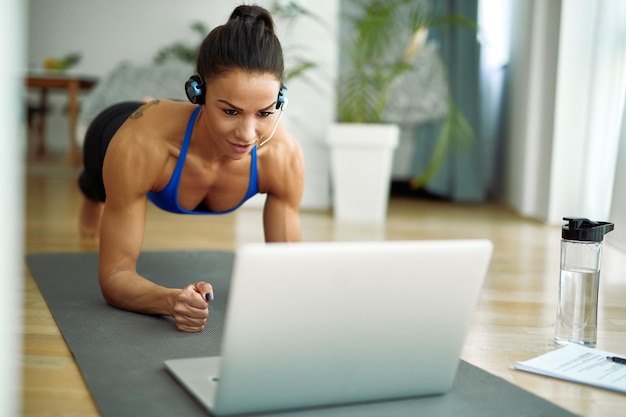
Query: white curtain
pixel 618 203
pixel 591 91
pixel 568 92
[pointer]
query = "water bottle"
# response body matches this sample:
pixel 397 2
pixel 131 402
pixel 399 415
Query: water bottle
pixel 581 253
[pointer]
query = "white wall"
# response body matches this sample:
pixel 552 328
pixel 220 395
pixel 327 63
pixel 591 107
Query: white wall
pixel 109 31
pixel 11 209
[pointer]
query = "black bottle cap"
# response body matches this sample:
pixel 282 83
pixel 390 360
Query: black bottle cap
pixel 585 230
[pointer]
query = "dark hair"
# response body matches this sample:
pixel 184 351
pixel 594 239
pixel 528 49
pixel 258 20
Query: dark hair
pixel 247 41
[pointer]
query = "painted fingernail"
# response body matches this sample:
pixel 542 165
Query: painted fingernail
pixel 209 296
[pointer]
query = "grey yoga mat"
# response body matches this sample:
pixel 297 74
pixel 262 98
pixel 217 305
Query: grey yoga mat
pixel 120 354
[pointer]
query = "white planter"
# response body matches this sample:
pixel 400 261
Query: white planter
pixel 361 156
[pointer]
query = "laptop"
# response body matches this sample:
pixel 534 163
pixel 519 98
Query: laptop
pixel 329 323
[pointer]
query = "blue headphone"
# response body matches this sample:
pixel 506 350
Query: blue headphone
pixel 196 90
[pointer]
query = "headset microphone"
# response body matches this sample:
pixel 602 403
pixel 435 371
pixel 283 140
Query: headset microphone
pixel 283 105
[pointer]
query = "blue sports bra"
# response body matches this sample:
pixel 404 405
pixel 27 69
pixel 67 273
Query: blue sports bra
pixel 167 198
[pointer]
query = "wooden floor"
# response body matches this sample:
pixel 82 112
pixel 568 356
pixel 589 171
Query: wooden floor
pixel 514 319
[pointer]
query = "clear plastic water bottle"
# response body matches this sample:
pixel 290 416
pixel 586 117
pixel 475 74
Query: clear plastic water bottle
pixel 581 254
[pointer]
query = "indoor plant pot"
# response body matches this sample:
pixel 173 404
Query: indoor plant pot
pixel 380 40
pixel 360 160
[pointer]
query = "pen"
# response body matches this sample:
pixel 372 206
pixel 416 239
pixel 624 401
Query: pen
pixel 617 360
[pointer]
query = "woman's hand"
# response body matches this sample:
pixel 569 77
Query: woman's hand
pixel 191 307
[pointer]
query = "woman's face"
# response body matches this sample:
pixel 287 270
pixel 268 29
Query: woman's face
pixel 241 110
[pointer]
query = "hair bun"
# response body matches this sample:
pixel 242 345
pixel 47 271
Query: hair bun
pixel 253 14
pixel 246 41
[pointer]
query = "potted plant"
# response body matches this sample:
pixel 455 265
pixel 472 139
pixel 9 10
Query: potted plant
pixel 380 40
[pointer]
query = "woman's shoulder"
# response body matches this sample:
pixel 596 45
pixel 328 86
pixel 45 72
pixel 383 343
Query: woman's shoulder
pixel 156 127
pixel 283 146
pixel 148 144
pixel 158 119
pixel 281 157
pixel 162 111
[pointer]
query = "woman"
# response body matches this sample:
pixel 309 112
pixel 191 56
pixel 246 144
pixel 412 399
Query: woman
pixel 202 158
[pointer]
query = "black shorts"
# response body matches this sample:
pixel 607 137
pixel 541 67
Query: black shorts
pixel 97 138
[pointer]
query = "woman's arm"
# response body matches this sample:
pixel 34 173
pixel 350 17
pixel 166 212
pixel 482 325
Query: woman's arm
pixel 285 185
pixel 129 172
pixel 122 287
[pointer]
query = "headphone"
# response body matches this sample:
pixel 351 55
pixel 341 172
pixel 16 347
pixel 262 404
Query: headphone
pixel 196 91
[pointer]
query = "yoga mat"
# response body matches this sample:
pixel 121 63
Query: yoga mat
pixel 120 354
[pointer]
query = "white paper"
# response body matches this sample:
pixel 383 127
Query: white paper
pixel 579 364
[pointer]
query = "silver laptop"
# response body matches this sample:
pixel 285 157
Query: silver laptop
pixel 324 323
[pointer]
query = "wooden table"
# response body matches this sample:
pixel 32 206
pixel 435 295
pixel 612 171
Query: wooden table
pixel 72 83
